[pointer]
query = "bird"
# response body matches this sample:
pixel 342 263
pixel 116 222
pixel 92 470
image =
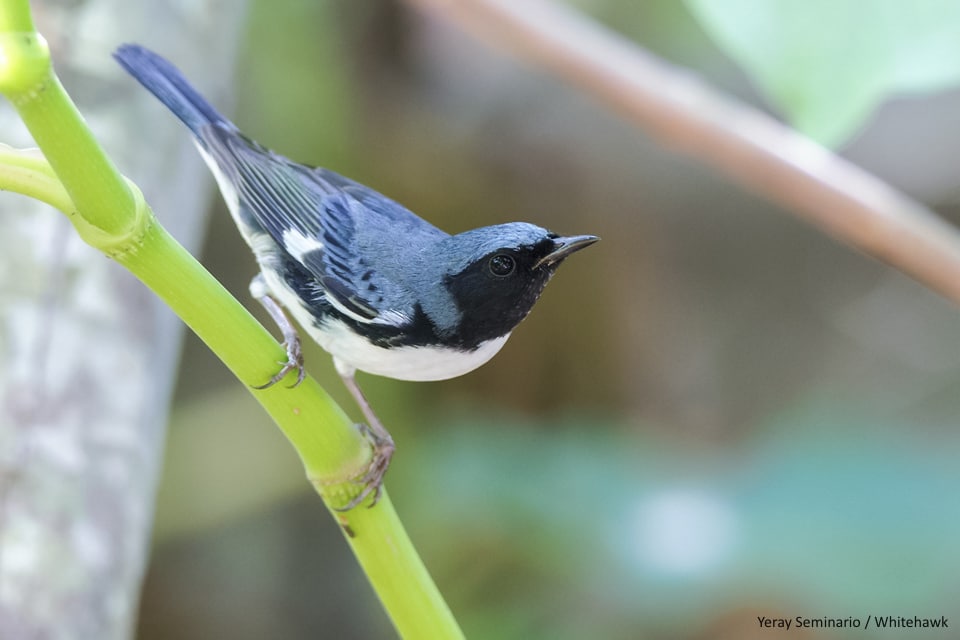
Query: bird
pixel 379 288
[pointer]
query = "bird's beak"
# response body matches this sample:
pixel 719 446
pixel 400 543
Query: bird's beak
pixel 563 247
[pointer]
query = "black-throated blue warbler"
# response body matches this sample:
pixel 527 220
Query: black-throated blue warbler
pixel 379 288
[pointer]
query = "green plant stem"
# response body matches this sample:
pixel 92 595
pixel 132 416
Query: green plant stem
pixel 110 214
pixel 28 81
pixel 26 171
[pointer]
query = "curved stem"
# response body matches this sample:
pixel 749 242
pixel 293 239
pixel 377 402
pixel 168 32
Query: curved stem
pixel 27 172
pixel 28 81
pixel 110 214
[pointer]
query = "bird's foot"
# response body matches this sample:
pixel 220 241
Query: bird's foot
pixel 371 478
pixel 291 341
pixel 294 361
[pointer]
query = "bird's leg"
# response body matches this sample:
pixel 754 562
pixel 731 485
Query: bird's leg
pixel 291 341
pixel 377 434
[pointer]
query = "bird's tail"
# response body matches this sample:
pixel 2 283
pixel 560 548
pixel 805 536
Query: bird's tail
pixel 166 82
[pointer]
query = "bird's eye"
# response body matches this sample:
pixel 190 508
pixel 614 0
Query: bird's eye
pixel 502 265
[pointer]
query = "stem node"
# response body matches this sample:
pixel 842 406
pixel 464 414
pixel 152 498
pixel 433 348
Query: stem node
pixel 24 65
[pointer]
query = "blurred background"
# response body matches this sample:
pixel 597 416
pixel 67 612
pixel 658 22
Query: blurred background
pixel 715 414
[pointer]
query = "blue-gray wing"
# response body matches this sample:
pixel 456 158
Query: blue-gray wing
pixel 344 272
pixel 338 229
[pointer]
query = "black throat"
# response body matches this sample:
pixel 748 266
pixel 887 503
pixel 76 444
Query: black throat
pixel 489 307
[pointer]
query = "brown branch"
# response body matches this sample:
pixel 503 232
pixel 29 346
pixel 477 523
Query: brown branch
pixel 752 148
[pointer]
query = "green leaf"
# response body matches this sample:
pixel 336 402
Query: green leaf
pixel 827 64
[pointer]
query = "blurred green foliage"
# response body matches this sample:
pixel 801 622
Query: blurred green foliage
pixel 828 64
pixel 557 530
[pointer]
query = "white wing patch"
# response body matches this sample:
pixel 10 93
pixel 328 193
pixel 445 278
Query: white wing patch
pixel 332 299
pixel 392 317
pixel 297 244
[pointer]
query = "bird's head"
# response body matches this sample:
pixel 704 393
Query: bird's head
pixel 495 274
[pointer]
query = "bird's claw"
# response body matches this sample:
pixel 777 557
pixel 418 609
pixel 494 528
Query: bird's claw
pixel 294 361
pixel 372 477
